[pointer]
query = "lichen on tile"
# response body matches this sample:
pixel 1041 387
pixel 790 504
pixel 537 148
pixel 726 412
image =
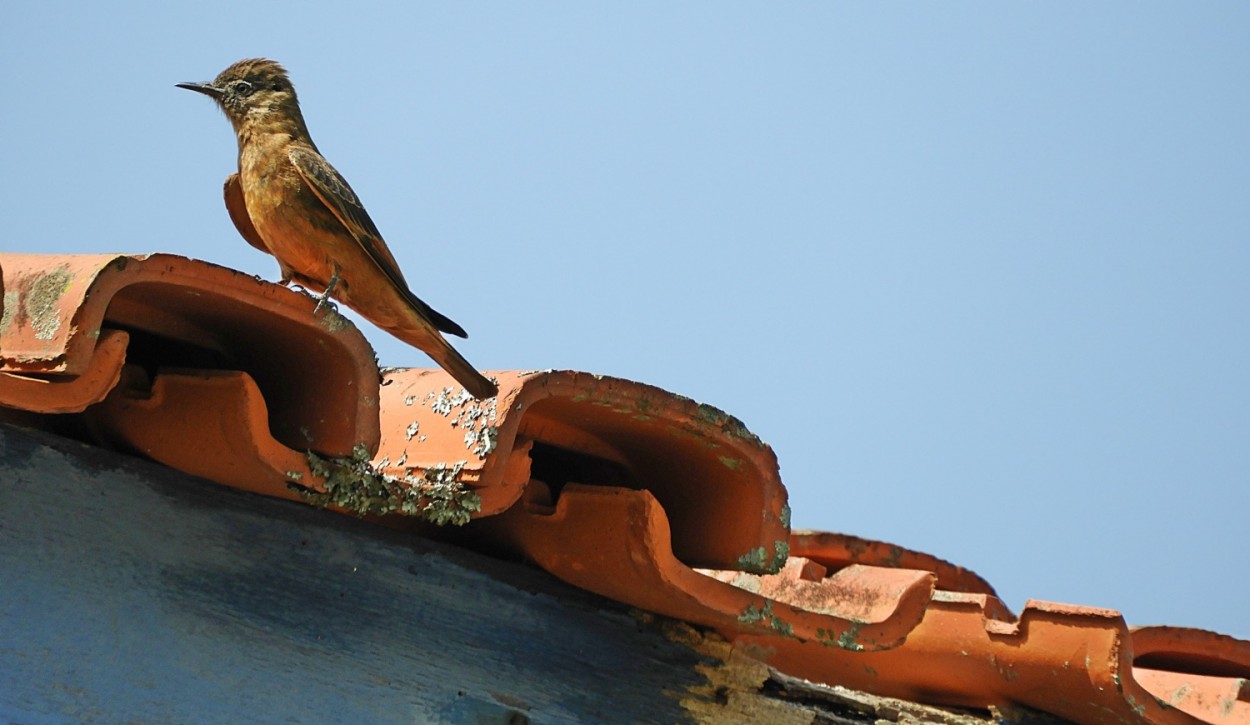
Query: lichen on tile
pixel 357 486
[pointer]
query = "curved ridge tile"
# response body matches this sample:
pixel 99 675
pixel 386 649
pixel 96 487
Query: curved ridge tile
pixel 616 542
pixel 69 394
pixel 1204 674
pixel 1070 661
pixel 835 550
pixel 717 482
pixel 212 424
pixel 317 374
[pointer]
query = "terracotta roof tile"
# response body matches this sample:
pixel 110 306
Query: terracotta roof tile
pixel 616 542
pixel 620 488
pixel 69 394
pixel 1072 661
pixel 716 481
pixel 61 312
pixel 1201 673
pixel 212 423
pixel 837 550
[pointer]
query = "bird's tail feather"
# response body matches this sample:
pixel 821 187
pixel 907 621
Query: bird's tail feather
pixel 476 383
pixel 433 344
pixel 440 321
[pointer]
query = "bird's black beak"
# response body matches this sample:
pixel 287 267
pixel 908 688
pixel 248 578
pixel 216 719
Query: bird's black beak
pixel 207 89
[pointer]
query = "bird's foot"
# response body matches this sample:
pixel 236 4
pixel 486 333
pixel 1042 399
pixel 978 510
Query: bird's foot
pixel 325 296
pixel 322 300
pixel 289 282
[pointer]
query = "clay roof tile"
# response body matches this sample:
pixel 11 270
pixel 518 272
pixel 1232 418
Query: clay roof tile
pixel 618 487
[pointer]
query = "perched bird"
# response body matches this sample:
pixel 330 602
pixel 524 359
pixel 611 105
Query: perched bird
pixel 288 201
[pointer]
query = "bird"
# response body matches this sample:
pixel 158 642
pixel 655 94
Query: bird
pixel 288 201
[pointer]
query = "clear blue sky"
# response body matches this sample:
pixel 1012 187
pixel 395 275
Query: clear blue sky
pixel 980 273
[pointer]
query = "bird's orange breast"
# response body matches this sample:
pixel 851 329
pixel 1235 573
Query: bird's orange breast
pixel 292 222
pixel 310 242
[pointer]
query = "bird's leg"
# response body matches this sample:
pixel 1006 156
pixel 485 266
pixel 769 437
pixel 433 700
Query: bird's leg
pixel 288 280
pixel 324 296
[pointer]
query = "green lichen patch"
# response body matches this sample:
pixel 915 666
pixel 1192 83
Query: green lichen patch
pixel 847 639
pixel 477 419
pixel 445 400
pixel 11 299
pixel 781 552
pixel 42 301
pixel 715 417
pixel 764 617
pixel 755 560
pixel 482 443
pixel 354 484
pixel 332 321
pixel 758 560
pixel 441 498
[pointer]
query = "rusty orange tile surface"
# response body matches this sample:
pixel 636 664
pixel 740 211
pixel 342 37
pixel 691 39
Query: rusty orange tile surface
pixel 835 550
pixel 1202 673
pixel 69 394
pixel 617 487
pixel 1070 661
pixel 317 374
pixel 717 483
pixel 210 423
pixel 616 542
pixel 1078 662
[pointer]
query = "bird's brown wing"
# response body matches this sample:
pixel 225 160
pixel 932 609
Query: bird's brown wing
pixel 337 195
pixel 237 208
pixel 333 191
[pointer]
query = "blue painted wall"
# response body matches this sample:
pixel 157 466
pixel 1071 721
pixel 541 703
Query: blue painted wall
pixel 133 593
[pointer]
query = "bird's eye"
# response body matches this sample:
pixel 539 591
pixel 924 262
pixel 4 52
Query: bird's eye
pixel 243 88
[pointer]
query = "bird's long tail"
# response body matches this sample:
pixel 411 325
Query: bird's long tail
pixel 446 356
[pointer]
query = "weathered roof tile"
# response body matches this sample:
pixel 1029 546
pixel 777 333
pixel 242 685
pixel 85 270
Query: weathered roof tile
pixel 717 482
pixel 317 373
pixel 620 488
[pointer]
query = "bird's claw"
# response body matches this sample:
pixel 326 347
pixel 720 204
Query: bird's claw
pixel 322 299
pixel 325 296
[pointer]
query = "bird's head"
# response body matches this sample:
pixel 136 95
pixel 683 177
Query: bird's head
pixel 255 90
